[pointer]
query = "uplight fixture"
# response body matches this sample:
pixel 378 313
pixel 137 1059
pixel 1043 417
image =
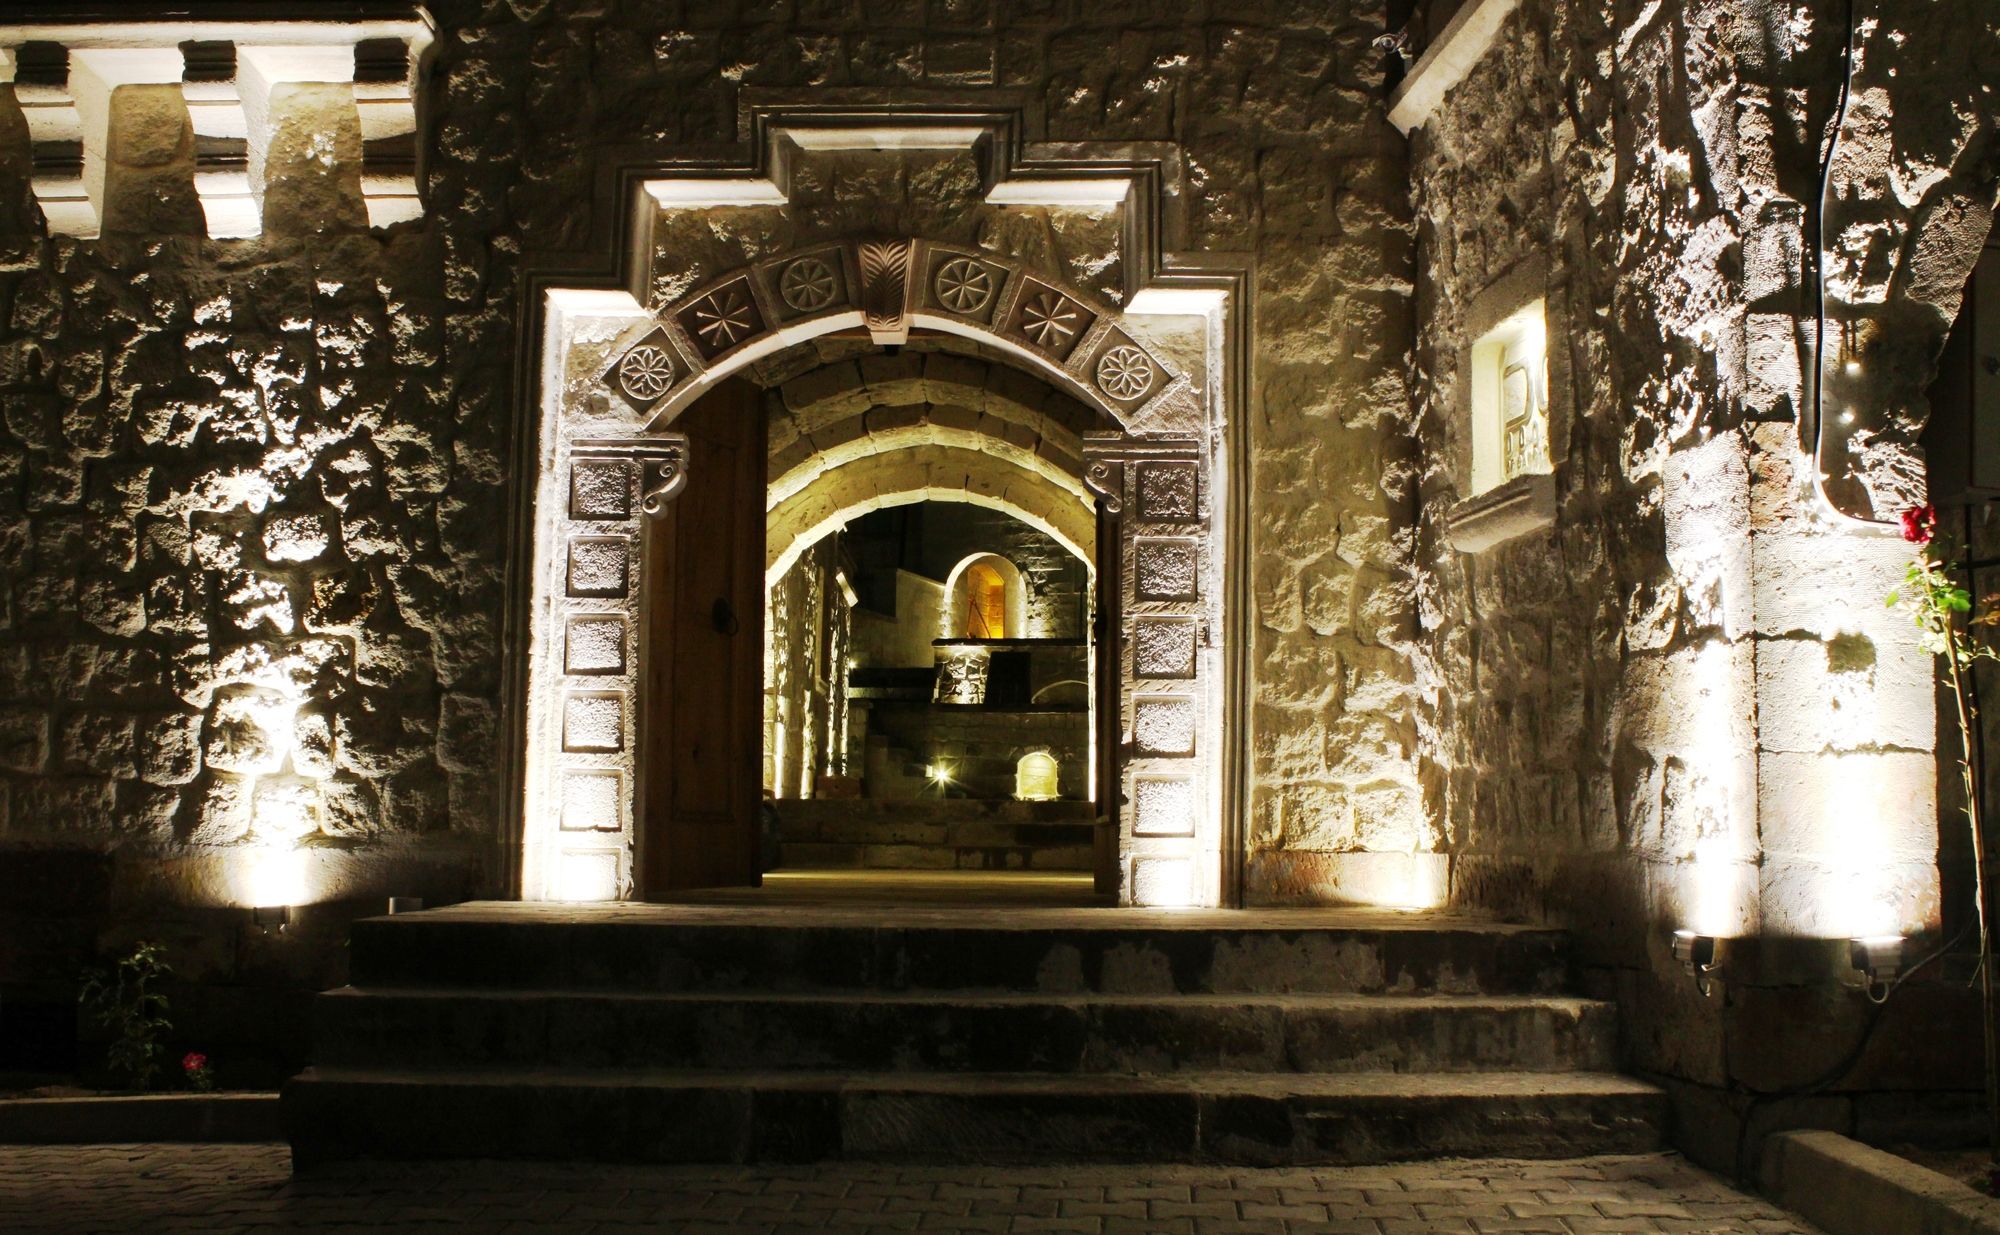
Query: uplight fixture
pixel 1696 954
pixel 272 916
pixel 1880 960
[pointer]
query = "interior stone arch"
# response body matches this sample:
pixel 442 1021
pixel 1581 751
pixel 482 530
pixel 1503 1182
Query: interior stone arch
pixel 928 474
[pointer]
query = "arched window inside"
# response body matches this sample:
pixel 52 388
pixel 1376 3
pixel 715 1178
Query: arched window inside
pixel 1035 777
pixel 984 603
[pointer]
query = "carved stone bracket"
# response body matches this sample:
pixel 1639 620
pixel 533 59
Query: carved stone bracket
pixel 1108 457
pixel 1106 478
pixel 662 465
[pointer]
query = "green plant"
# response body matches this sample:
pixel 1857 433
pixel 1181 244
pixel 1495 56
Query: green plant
pixel 125 1000
pixel 1942 611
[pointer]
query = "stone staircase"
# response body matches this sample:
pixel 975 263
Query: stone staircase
pixel 934 834
pixel 733 1034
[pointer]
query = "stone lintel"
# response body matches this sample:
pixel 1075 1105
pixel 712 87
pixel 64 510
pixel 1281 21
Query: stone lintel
pixel 1446 62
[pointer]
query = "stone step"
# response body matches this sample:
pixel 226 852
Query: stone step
pixel 809 813
pixel 961 1033
pixel 780 949
pixel 1250 1119
pixel 877 855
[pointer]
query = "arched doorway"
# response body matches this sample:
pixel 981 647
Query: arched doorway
pixel 1146 466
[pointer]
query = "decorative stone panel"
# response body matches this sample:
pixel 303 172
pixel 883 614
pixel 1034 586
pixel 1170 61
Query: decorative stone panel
pixel 595 644
pixel 1169 492
pixel 1048 319
pixel 1163 806
pixel 598 566
pixel 594 720
pixel 722 320
pixel 601 489
pixel 1166 567
pixel 1168 827
pixel 1163 647
pixel 592 801
pixel 582 755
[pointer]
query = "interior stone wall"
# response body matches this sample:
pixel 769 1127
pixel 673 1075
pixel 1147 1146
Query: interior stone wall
pixel 1685 704
pixel 807 634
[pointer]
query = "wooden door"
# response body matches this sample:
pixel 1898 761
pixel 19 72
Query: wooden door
pixel 1109 667
pixel 701 704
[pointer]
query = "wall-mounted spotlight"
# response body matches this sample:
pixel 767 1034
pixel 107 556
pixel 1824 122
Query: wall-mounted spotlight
pixel 1696 954
pixel 1880 960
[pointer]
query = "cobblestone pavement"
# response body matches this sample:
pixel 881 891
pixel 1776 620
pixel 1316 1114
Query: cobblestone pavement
pixel 232 1189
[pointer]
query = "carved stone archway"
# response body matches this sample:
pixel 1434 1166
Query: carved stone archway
pixel 1150 476
pixel 612 368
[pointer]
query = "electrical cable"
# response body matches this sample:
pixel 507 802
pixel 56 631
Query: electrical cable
pixel 1819 275
pixel 1763 1097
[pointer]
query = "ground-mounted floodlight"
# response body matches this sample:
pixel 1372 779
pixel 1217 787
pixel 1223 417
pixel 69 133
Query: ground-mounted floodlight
pixel 1696 954
pixel 272 916
pixel 1879 958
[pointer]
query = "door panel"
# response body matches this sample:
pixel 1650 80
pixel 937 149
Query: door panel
pixel 1107 623
pixel 702 706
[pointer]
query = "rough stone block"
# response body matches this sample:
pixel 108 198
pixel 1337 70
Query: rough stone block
pixel 24 739
pixel 170 748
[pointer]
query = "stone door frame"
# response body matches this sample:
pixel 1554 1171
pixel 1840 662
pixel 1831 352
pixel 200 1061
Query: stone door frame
pixel 1178 497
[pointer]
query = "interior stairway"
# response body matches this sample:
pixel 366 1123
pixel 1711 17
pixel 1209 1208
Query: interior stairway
pixel 739 1034
pixel 934 834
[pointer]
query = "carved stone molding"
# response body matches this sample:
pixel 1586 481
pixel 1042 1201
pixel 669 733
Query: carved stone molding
pixel 65 73
pixel 1109 457
pixel 662 465
pixel 885 290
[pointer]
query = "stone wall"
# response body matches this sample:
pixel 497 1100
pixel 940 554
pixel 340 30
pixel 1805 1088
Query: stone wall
pixel 1683 704
pixel 253 567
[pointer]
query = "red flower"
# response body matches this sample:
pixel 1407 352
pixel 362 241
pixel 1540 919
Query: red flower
pixel 194 1062
pixel 1920 524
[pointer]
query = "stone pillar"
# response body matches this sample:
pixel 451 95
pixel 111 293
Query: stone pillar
pixel 583 684
pixel 1156 490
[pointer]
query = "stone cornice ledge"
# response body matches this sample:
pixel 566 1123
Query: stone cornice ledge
pixel 1446 62
pixel 1514 508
